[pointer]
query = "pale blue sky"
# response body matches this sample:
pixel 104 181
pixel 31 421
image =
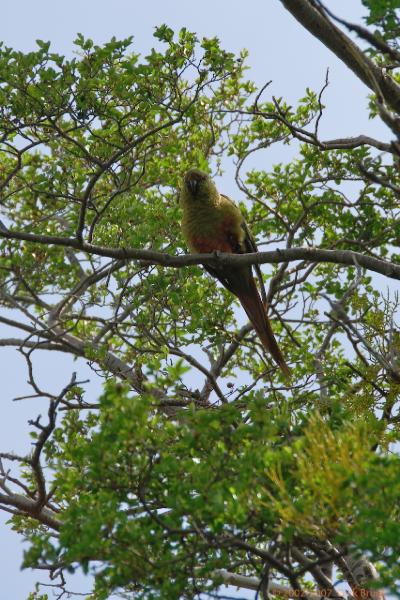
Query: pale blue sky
pixel 279 50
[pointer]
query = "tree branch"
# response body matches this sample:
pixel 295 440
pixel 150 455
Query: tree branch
pixel 341 257
pixel 365 34
pixel 253 583
pixel 29 507
pixel 317 23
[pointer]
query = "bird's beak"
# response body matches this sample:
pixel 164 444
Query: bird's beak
pixel 193 184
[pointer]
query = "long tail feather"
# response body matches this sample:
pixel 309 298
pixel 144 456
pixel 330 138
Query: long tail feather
pixel 257 314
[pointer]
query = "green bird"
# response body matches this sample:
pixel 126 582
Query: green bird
pixel 212 222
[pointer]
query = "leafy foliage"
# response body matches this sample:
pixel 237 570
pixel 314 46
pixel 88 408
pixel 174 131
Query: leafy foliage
pixel 385 15
pixel 196 458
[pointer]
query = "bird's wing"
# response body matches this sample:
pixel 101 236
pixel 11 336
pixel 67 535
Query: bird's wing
pixel 221 278
pixel 250 247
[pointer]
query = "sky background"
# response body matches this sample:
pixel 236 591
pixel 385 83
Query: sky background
pixel 279 49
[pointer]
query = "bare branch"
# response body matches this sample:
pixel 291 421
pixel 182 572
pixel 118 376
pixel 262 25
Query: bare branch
pixel 45 433
pixel 319 25
pixel 365 34
pixel 29 507
pixel 253 583
pixel 341 257
pixel 322 580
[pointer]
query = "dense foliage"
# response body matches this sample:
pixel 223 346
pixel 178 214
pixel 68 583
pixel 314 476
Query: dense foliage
pixel 198 458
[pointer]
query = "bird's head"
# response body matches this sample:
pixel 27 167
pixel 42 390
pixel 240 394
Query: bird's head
pixel 198 187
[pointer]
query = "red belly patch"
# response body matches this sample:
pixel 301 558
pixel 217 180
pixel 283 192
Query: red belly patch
pixel 208 245
pixel 221 240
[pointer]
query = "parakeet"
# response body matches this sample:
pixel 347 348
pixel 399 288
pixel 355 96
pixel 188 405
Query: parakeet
pixel 212 222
